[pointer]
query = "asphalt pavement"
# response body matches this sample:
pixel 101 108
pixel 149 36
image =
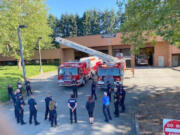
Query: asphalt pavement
pixel 43 84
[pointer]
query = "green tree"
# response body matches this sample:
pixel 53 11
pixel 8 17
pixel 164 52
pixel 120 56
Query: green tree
pixel 109 19
pixel 17 12
pixel 86 20
pixel 95 21
pixel 151 18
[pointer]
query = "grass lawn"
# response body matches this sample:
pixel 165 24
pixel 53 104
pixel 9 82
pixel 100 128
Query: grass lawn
pixel 10 75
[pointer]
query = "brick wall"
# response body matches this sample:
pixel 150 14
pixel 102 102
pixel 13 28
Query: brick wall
pixel 161 49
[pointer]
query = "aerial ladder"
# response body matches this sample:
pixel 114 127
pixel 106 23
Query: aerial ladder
pixel 105 57
pixel 110 60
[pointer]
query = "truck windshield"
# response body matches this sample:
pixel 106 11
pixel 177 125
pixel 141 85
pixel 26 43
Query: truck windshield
pixel 109 71
pixel 68 71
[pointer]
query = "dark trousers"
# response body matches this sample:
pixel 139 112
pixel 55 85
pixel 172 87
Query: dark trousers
pixel 93 94
pixel 71 115
pixel 106 111
pixel 53 118
pixel 29 92
pixel 16 111
pixel 75 92
pixel 10 96
pixel 33 114
pixel 21 116
pixel 116 107
pixel 46 113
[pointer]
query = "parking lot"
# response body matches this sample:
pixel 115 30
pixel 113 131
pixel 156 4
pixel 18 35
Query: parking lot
pixel 147 81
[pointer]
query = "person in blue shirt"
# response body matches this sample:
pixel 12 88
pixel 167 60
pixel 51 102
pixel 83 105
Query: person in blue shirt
pixel 93 89
pixel 106 104
pixel 17 109
pixel 72 105
pixel 33 110
pixel 47 100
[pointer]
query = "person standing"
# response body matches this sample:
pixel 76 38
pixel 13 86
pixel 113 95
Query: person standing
pixel 33 110
pixel 90 105
pixel 19 86
pixel 109 90
pixel 53 113
pixel 106 104
pixel 93 89
pixel 10 92
pixel 72 105
pixel 21 110
pixel 17 108
pixel 47 100
pixel 75 89
pixel 122 94
pixel 28 89
pixel 116 102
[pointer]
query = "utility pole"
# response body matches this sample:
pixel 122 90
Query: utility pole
pixel 21 50
pixel 40 61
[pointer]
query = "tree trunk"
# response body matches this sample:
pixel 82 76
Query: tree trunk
pixel 19 64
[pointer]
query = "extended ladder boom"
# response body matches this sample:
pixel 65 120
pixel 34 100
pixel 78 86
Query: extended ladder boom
pixel 104 57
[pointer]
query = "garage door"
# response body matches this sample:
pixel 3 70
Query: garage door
pixel 175 60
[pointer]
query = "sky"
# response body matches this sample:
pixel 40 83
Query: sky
pixel 59 7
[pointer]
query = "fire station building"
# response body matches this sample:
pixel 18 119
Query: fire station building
pixel 161 54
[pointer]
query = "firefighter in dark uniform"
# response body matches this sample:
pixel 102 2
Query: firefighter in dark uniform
pixel 10 92
pixel 122 94
pixel 19 86
pixel 75 89
pixel 109 90
pixel 47 100
pixel 93 89
pixel 33 110
pixel 53 113
pixel 116 102
pixel 17 108
pixel 21 110
pixel 28 89
pixel 72 105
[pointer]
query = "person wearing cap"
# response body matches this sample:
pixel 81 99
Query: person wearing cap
pixel 21 110
pixel 47 100
pixel 72 105
pixel 122 94
pixel 28 89
pixel 116 102
pixel 109 90
pixel 33 110
pixel 75 88
pixel 10 92
pixel 106 104
pixel 93 89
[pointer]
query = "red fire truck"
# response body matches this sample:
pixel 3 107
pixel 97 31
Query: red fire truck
pixel 69 71
pixel 110 73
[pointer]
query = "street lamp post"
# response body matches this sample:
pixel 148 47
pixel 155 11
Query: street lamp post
pixel 40 61
pixel 21 50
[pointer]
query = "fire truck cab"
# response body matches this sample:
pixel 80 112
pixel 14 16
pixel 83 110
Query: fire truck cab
pixel 109 73
pixel 69 71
